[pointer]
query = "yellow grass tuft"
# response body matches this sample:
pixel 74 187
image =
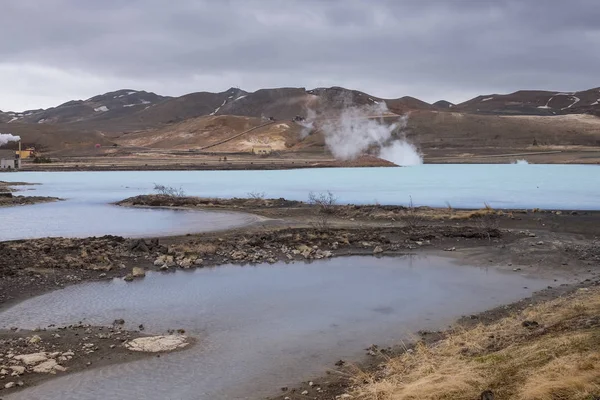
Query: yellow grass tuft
pixel 558 360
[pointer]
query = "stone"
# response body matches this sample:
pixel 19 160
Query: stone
pixel 487 395
pixel 17 370
pixel 35 339
pixel 48 367
pixel 128 278
pixel 155 344
pixel 450 249
pixel 304 393
pixel 186 263
pixel 138 272
pixel 10 385
pixel 164 267
pixel 377 250
pixel 532 235
pixel 32 359
pixel 198 261
pixel 530 324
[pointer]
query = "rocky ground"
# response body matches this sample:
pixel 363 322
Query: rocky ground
pixel 8 198
pixel 30 357
pixel 520 241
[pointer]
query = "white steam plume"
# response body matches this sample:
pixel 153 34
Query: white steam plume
pixel 308 123
pixel 7 137
pixel 354 133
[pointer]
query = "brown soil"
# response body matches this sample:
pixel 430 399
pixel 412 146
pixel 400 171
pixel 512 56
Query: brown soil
pixel 557 243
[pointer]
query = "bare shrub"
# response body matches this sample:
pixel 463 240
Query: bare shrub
pixel 449 208
pixel 487 219
pixel 325 203
pixel 170 191
pixel 412 216
pixel 256 195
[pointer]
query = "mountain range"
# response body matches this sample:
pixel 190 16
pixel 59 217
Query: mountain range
pixel 121 116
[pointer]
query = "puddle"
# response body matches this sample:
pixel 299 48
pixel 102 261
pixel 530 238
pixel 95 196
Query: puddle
pixel 263 327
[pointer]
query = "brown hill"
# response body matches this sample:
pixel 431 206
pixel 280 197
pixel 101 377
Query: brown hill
pixel 217 133
pixel 97 109
pixel 52 138
pixel 535 102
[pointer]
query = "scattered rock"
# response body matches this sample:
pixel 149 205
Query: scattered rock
pixel 119 321
pixel 487 395
pixel 377 250
pixel 10 385
pixel 17 370
pixel 450 249
pixel 530 324
pixel 155 344
pixel 35 339
pixel 48 367
pixel 32 359
pixel 138 272
pixel 128 278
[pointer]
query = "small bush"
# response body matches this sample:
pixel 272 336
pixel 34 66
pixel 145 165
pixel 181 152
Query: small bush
pixel 42 160
pixel 168 191
pixel 324 201
pixel 256 195
pixel 412 216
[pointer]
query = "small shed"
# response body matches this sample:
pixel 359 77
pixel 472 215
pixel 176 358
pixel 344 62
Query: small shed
pixel 9 160
pixel 262 149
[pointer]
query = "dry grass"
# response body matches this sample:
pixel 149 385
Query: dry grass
pixel 558 360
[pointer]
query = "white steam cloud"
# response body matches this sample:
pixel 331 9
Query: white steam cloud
pixel 308 123
pixel 358 130
pixel 7 137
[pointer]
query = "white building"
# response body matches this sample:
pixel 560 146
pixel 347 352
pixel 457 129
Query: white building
pixel 9 160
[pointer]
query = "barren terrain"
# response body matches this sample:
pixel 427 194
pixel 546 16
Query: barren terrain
pixel 519 241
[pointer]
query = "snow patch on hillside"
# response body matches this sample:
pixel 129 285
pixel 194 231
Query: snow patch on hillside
pixel 101 109
pixel 575 101
pixel 218 108
pixel 487 99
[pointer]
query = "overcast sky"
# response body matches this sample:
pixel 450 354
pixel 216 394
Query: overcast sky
pixel 52 51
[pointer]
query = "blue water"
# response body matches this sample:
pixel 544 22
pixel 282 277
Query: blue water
pixel 260 328
pixel 86 211
pixel 463 186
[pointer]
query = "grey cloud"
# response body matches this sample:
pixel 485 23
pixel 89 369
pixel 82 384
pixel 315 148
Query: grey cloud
pixel 433 49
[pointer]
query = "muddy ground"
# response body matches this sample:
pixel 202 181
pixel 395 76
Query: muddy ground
pixel 553 243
